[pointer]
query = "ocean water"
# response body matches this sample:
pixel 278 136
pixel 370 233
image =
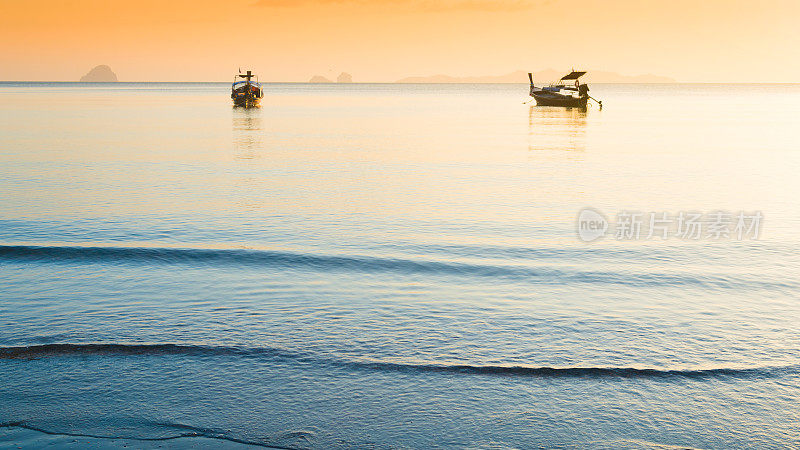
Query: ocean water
pixel 394 266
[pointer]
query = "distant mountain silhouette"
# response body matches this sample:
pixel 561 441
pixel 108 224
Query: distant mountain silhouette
pixel 343 77
pixel 541 77
pixel 100 74
pixel 319 79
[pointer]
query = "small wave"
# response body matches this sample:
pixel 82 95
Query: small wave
pixel 367 264
pixel 57 350
pixel 192 432
pixel 585 372
pixel 51 350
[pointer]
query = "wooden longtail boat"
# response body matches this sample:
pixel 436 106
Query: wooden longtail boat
pixel 562 94
pixel 246 92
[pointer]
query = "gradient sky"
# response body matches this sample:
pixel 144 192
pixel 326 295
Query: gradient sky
pixel 384 40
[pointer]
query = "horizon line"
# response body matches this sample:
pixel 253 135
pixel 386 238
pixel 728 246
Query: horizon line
pixel 389 82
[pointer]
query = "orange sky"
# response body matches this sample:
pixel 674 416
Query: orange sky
pixel 384 40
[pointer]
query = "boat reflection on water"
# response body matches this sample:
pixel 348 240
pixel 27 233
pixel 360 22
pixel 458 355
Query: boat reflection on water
pixel 557 129
pixel 247 126
pixel 248 184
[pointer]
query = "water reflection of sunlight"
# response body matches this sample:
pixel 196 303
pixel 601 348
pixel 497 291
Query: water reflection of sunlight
pixel 554 128
pixel 247 126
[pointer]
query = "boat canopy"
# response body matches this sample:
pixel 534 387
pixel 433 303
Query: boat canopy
pixel 573 75
pixel 254 83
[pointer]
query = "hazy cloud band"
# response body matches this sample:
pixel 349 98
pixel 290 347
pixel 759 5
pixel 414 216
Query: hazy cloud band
pixel 417 5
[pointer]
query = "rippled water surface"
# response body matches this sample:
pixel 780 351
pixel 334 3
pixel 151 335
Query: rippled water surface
pixel 394 266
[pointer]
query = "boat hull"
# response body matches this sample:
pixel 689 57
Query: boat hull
pixel 247 95
pixel 246 101
pixel 550 99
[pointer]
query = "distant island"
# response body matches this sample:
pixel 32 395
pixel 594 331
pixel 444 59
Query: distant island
pixel 343 77
pixel 543 76
pixel 100 74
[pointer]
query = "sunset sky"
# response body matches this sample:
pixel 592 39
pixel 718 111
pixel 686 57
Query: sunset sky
pixel 384 40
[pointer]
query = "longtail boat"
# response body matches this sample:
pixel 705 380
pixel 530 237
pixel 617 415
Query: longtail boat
pixel 562 94
pixel 246 92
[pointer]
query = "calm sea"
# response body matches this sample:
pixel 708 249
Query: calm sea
pixel 396 266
